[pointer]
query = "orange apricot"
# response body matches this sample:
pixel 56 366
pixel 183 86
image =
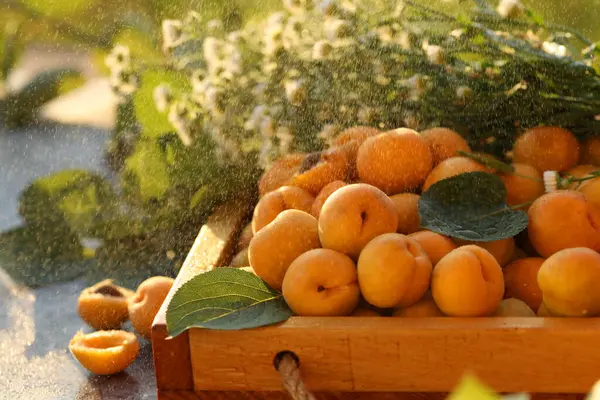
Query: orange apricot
pixel 523 186
pixel 468 282
pixel 561 220
pixel 273 248
pixel 590 151
pixel 144 305
pixel 393 271
pixel 444 143
pixel 435 245
pixel 569 281
pixel 350 141
pixel 277 201
pixel 321 168
pixel 105 352
pixel 520 280
pixel 104 305
pixel 513 308
pixel 280 172
pixel 354 215
pixel 321 282
pixel 407 206
pixel 591 190
pixel 502 250
pixel 324 195
pixel 451 167
pixel 395 161
pixel 547 148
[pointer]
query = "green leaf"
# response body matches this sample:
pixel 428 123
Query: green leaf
pixel 470 388
pixel 10 49
pixel 489 162
pixel 58 8
pixel 153 122
pixel 147 170
pixel 470 206
pixel 227 299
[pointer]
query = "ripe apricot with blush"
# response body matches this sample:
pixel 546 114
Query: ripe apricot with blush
pixel 435 245
pixel 144 305
pixel 353 215
pixel 502 250
pixel 547 148
pixel 407 206
pixel 395 161
pixel 444 143
pixel 562 220
pixel 523 186
pixel 277 201
pixel 468 282
pixel 324 195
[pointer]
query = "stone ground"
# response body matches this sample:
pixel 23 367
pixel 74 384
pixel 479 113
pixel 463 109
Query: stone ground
pixel 36 325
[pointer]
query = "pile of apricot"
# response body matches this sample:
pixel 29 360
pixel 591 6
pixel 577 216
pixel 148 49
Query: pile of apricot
pixel 105 307
pixel 338 232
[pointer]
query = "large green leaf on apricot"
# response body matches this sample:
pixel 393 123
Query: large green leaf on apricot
pixel 470 206
pixel 226 299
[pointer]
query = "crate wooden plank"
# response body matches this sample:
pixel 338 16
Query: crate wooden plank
pixel 212 248
pixel 544 355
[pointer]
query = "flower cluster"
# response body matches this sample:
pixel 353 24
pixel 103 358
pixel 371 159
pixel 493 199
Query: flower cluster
pixel 123 79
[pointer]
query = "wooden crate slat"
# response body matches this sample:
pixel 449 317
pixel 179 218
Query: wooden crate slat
pixel 544 355
pixel 212 248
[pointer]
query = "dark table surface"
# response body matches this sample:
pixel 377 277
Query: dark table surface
pixel 37 324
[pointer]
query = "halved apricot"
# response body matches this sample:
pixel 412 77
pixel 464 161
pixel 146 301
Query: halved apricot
pixel 321 168
pixel 105 352
pixel 104 305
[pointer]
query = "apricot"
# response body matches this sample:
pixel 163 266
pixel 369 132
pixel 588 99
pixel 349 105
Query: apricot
pixel 365 312
pixel 518 254
pixel 321 168
pixel 273 203
pixel 523 186
pixel 580 171
pixel 502 250
pixel 444 143
pixel 273 248
pixel 324 195
pixel 520 281
pixel 547 148
pixel 280 172
pixel 105 352
pixel 245 237
pixel 407 206
pixel 104 305
pixel 144 305
pixel 591 190
pixel 569 281
pixel 393 271
pixel 424 308
pixel 468 282
pixel 451 167
pixel 561 220
pixel 394 161
pixel 350 141
pixel 356 134
pixel 590 151
pixel 240 259
pixel 513 308
pixel 321 282
pixel 353 215
pixel 436 246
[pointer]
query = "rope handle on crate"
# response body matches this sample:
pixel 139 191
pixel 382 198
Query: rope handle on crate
pixel 288 366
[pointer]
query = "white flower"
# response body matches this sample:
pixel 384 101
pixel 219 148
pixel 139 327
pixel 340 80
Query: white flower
pixel 509 8
pixel 551 181
pixel 119 57
pixel 199 81
pixel 214 26
pixel 212 50
pixel 162 97
pixel 555 49
pixel 435 54
pixel 177 118
pixel 321 50
pixel 295 92
pixel 265 150
pixel 123 81
pixel 285 139
pixel 296 6
pixel 173 35
pixel 336 28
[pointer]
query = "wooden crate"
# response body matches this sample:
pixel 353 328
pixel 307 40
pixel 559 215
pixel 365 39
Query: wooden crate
pixel 365 357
